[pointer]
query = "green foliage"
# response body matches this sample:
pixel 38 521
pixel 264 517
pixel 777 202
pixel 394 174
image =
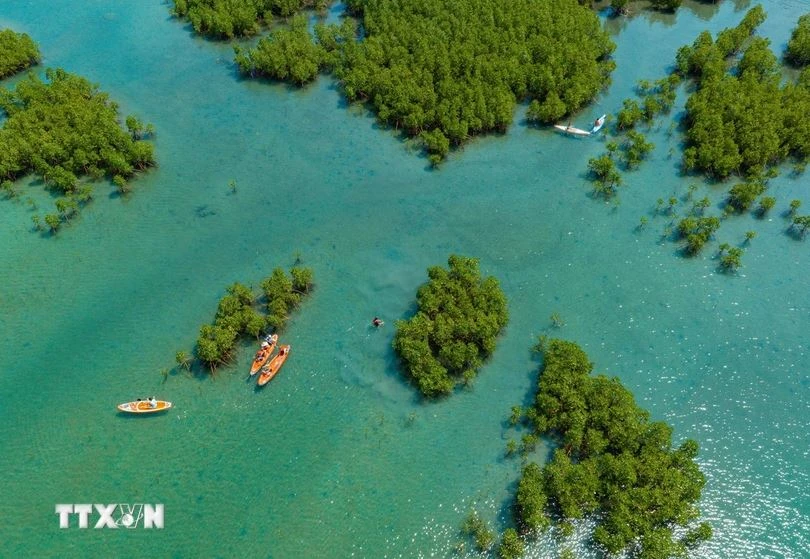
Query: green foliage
pixel 53 222
pixel 216 342
pixel 731 260
pixel 636 148
pixel 236 316
pixel 436 143
pixel 699 208
pixel 697 231
pixel 604 173
pixel 642 223
pixel 742 196
pixel 794 205
pixel 613 463
pixel 666 5
pixel 226 19
pixel 183 360
pixel 511 546
pixel 17 52
pixel 800 224
pixel 284 293
pixel 742 120
pixel 766 204
pixel 618 6
pixel 697 535
pixel 285 54
pixel 798 48
pixel 531 499
pixel 630 114
pixel 63 130
pixel 516 416
pixel 476 527
pixel 528 443
pixel 302 279
pixel 455 328
pixel 444 71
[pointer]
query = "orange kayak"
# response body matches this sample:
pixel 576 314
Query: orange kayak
pixel 274 366
pixel 143 406
pixel 263 354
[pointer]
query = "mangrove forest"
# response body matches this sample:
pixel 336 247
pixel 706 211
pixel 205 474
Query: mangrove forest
pixel 443 71
pixel 741 119
pixel 238 316
pixel 17 52
pixel 612 464
pixel 62 130
pixel 456 326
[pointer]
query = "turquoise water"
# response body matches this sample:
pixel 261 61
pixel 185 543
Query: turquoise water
pixel 338 457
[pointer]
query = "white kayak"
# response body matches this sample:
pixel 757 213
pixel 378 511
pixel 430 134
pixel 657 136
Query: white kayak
pixel 572 130
pixel 600 122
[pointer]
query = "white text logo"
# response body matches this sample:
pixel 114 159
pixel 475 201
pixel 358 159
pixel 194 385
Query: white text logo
pixel 121 515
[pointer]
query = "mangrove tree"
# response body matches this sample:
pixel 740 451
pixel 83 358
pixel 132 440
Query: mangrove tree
pixel 456 325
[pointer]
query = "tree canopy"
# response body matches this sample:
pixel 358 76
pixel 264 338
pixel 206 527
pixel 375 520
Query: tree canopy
pixel 226 19
pixel 455 328
pixel 612 463
pixel 17 52
pixel 742 119
pixel 64 129
pixel 798 48
pixel 237 315
pixel 447 70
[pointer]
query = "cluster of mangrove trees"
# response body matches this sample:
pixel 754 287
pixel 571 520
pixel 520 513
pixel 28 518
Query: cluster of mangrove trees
pixel 798 48
pixel 238 316
pixel 741 118
pixel 63 129
pixel 444 71
pixel 455 328
pixel 629 147
pixel 226 19
pixel 17 52
pixel 612 464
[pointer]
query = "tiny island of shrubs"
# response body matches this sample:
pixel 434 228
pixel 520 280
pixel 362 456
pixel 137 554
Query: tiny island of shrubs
pixel 612 464
pixel 17 52
pixel 439 71
pixel 455 328
pixel 62 130
pixel 238 316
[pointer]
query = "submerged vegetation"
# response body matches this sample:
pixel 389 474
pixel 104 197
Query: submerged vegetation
pixel 17 52
pixel 237 316
pixel 445 71
pixel 613 464
pixel 64 129
pixel 455 328
pixel 476 528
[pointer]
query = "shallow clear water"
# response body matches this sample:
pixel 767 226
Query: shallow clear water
pixel 338 457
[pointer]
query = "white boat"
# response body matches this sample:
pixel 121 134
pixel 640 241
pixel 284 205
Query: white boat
pixel 597 126
pixel 572 130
